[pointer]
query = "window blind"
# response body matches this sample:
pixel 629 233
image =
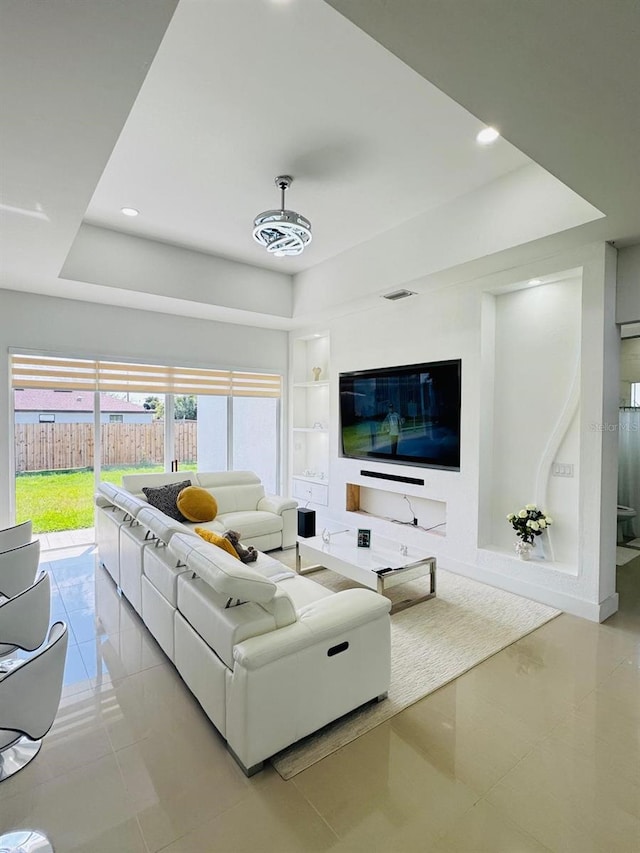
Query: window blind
pixel 34 371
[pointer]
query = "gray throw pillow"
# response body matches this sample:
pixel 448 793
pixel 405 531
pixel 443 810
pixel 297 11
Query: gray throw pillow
pixel 165 498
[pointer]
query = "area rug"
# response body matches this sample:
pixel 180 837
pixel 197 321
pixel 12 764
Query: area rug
pixel 635 543
pixel 431 644
pixel 624 555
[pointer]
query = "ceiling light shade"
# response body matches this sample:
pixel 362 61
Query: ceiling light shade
pixel 129 211
pixel 487 135
pixel 282 232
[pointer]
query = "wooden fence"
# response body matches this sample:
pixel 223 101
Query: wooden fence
pixel 55 447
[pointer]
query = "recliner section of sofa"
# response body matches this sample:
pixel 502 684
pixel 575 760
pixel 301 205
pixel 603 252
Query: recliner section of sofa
pixel 271 656
pixel 264 521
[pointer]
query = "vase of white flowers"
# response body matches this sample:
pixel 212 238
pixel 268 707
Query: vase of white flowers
pixel 528 523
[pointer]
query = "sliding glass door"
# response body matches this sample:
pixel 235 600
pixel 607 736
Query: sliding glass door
pixel 82 421
pixel 54 458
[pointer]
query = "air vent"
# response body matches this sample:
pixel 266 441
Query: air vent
pixel 399 294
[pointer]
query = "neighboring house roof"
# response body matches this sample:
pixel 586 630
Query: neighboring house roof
pixel 45 400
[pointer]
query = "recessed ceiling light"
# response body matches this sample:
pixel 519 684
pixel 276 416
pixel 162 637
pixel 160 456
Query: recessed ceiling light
pixel 535 281
pixel 129 211
pixel 487 135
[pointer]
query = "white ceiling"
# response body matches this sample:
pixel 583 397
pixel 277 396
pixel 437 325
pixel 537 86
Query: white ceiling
pixel 560 78
pixel 240 92
pixel 190 117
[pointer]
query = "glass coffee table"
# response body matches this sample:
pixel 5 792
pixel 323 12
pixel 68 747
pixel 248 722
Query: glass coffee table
pixel 387 563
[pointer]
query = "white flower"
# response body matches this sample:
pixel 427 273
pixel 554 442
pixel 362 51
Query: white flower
pixel 542 523
pixel 511 516
pixel 548 519
pixel 523 513
pixel 534 525
pixel 530 506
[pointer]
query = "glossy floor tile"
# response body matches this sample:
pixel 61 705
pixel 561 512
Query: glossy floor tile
pixel 537 749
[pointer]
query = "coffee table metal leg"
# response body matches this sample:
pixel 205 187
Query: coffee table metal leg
pixel 403 605
pixel 309 569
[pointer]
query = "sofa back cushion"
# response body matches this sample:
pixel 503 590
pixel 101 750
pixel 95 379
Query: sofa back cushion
pixel 160 525
pixel 224 573
pixel 134 483
pixel 233 490
pixel 129 503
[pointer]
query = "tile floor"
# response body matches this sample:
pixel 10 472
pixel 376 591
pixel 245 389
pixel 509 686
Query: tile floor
pixel 536 749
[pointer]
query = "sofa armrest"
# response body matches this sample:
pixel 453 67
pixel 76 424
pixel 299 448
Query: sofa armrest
pixel 324 620
pixel 275 504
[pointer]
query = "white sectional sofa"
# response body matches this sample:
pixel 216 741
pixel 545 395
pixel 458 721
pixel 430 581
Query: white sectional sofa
pixel 270 655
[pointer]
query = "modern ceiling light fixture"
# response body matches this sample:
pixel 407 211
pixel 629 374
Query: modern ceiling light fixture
pixel 282 232
pixel 129 211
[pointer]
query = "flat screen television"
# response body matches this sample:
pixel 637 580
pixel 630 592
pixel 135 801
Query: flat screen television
pixel 408 415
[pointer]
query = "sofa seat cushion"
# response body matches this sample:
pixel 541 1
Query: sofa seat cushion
pixel 219 626
pixel 303 591
pixel 251 524
pixel 271 568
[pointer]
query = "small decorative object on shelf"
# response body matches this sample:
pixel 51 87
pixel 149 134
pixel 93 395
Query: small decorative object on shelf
pixel 364 538
pixel 316 373
pixel 528 523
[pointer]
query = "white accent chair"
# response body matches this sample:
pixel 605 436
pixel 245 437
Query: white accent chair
pixel 29 699
pixel 25 841
pixel 19 568
pixel 24 619
pixel 14 537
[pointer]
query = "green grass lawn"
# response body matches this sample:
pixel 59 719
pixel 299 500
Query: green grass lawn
pixel 64 501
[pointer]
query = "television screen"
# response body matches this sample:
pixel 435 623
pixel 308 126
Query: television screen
pixel 409 415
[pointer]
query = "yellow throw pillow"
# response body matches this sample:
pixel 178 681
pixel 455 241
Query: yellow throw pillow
pixel 216 539
pixel 197 504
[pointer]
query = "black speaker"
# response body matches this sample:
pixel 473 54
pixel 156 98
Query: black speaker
pixel 306 522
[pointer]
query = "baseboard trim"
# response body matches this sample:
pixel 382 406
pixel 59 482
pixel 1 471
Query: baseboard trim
pixel 591 610
pixel 608 607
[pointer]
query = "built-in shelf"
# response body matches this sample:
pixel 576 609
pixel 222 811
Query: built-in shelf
pixel 310 407
pixel 534 562
pixel 398 508
pixel 319 480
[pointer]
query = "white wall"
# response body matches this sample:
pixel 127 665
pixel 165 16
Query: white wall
pixel 522 206
pixel 116 260
pixel 565 329
pixel 628 285
pixel 72 328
